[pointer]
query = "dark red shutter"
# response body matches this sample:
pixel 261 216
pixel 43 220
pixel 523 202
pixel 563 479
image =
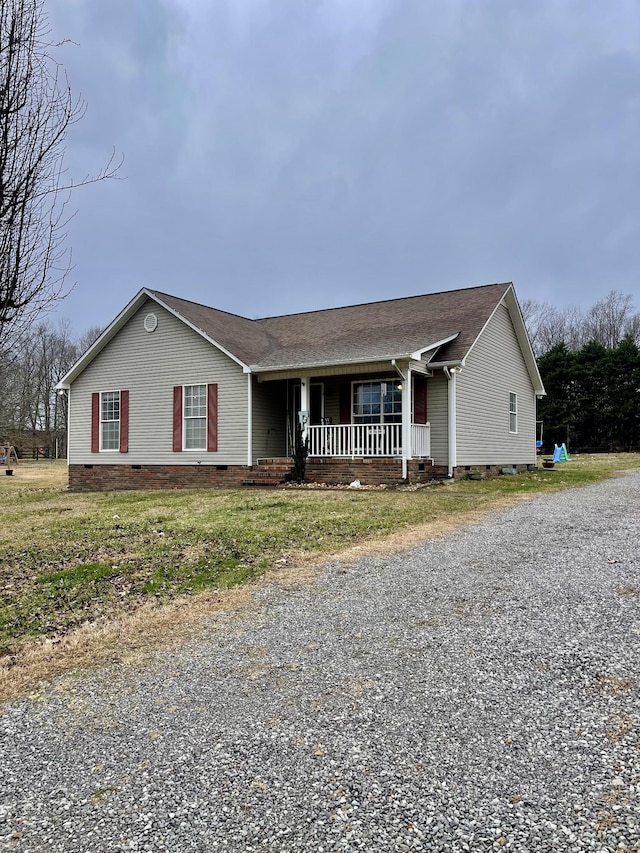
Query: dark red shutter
pixel 95 422
pixel 419 400
pixel 345 403
pixel 124 422
pixel 212 417
pixel 177 418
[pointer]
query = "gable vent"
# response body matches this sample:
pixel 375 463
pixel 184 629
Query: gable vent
pixel 150 323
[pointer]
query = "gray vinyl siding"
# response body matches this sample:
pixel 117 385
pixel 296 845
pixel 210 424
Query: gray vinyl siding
pixel 437 415
pixel 494 368
pixel 149 365
pixel 332 400
pixel 269 419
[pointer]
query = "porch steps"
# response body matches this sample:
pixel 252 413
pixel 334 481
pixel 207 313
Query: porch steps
pixel 270 473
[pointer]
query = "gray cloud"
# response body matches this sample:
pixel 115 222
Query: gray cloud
pixel 283 156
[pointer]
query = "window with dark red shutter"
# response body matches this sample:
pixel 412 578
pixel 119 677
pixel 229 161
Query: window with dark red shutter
pixel 212 417
pixel 95 422
pixel 419 400
pixel 124 422
pixel 177 419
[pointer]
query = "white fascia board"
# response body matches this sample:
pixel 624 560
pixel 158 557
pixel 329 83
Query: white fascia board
pixel 315 367
pixel 304 366
pixel 421 367
pixel 123 317
pixel 511 301
pixel 417 355
pixel 98 345
pixel 453 362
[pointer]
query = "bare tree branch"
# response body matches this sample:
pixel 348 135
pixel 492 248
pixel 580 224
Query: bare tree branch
pixel 37 110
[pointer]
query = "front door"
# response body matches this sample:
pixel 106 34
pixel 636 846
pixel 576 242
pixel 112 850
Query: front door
pixel 316 412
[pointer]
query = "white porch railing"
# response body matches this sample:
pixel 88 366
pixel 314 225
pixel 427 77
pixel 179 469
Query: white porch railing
pixel 421 441
pixel 367 440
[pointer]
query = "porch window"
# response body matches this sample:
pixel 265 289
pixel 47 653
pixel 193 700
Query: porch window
pixel 513 412
pixel 195 417
pixel 110 420
pixel 377 402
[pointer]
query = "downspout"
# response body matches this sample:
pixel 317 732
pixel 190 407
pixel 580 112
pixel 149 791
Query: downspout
pixel 249 421
pixel 62 392
pixel 450 373
pixel 406 420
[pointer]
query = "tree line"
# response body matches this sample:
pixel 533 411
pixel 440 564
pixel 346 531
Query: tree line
pixel 589 361
pixel 33 416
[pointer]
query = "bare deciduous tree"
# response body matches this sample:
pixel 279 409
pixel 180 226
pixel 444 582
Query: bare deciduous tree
pixel 87 339
pixel 32 414
pixel 610 319
pixel 548 326
pixel 607 322
pixel 37 109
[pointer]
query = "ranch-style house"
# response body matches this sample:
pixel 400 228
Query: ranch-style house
pixel 174 394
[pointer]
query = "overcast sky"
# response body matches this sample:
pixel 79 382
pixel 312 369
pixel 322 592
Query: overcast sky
pixel 287 155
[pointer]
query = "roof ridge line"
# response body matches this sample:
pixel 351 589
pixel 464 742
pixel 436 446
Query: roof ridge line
pixel 381 301
pixel 160 294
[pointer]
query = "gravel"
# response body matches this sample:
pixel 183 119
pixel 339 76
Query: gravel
pixel 478 692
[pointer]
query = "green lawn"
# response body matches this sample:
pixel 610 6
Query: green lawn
pixel 71 558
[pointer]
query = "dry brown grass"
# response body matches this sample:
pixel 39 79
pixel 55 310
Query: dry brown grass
pixel 29 474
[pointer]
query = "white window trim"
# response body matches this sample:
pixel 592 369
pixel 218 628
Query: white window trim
pixel 104 449
pixel 513 412
pixel 186 449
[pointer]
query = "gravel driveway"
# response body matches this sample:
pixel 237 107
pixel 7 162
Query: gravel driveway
pixel 478 692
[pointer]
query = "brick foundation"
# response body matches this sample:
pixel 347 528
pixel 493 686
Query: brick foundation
pixel 105 478
pixel 490 470
pixel 370 472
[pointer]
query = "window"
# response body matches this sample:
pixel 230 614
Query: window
pixel 110 420
pixel 195 417
pixel 513 412
pixel 377 402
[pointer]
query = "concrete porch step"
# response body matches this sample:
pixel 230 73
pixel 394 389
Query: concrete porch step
pixel 270 472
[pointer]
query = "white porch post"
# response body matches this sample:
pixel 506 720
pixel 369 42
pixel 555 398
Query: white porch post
pixel 407 398
pixel 305 402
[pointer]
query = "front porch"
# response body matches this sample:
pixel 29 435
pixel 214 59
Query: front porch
pixel 361 416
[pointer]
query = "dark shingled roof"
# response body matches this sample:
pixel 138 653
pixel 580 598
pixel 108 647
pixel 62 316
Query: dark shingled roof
pixel 372 331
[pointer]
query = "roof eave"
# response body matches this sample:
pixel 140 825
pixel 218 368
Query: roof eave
pixel 452 362
pixel 200 331
pixel 510 300
pixel 316 365
pixel 100 343
pixel 417 354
